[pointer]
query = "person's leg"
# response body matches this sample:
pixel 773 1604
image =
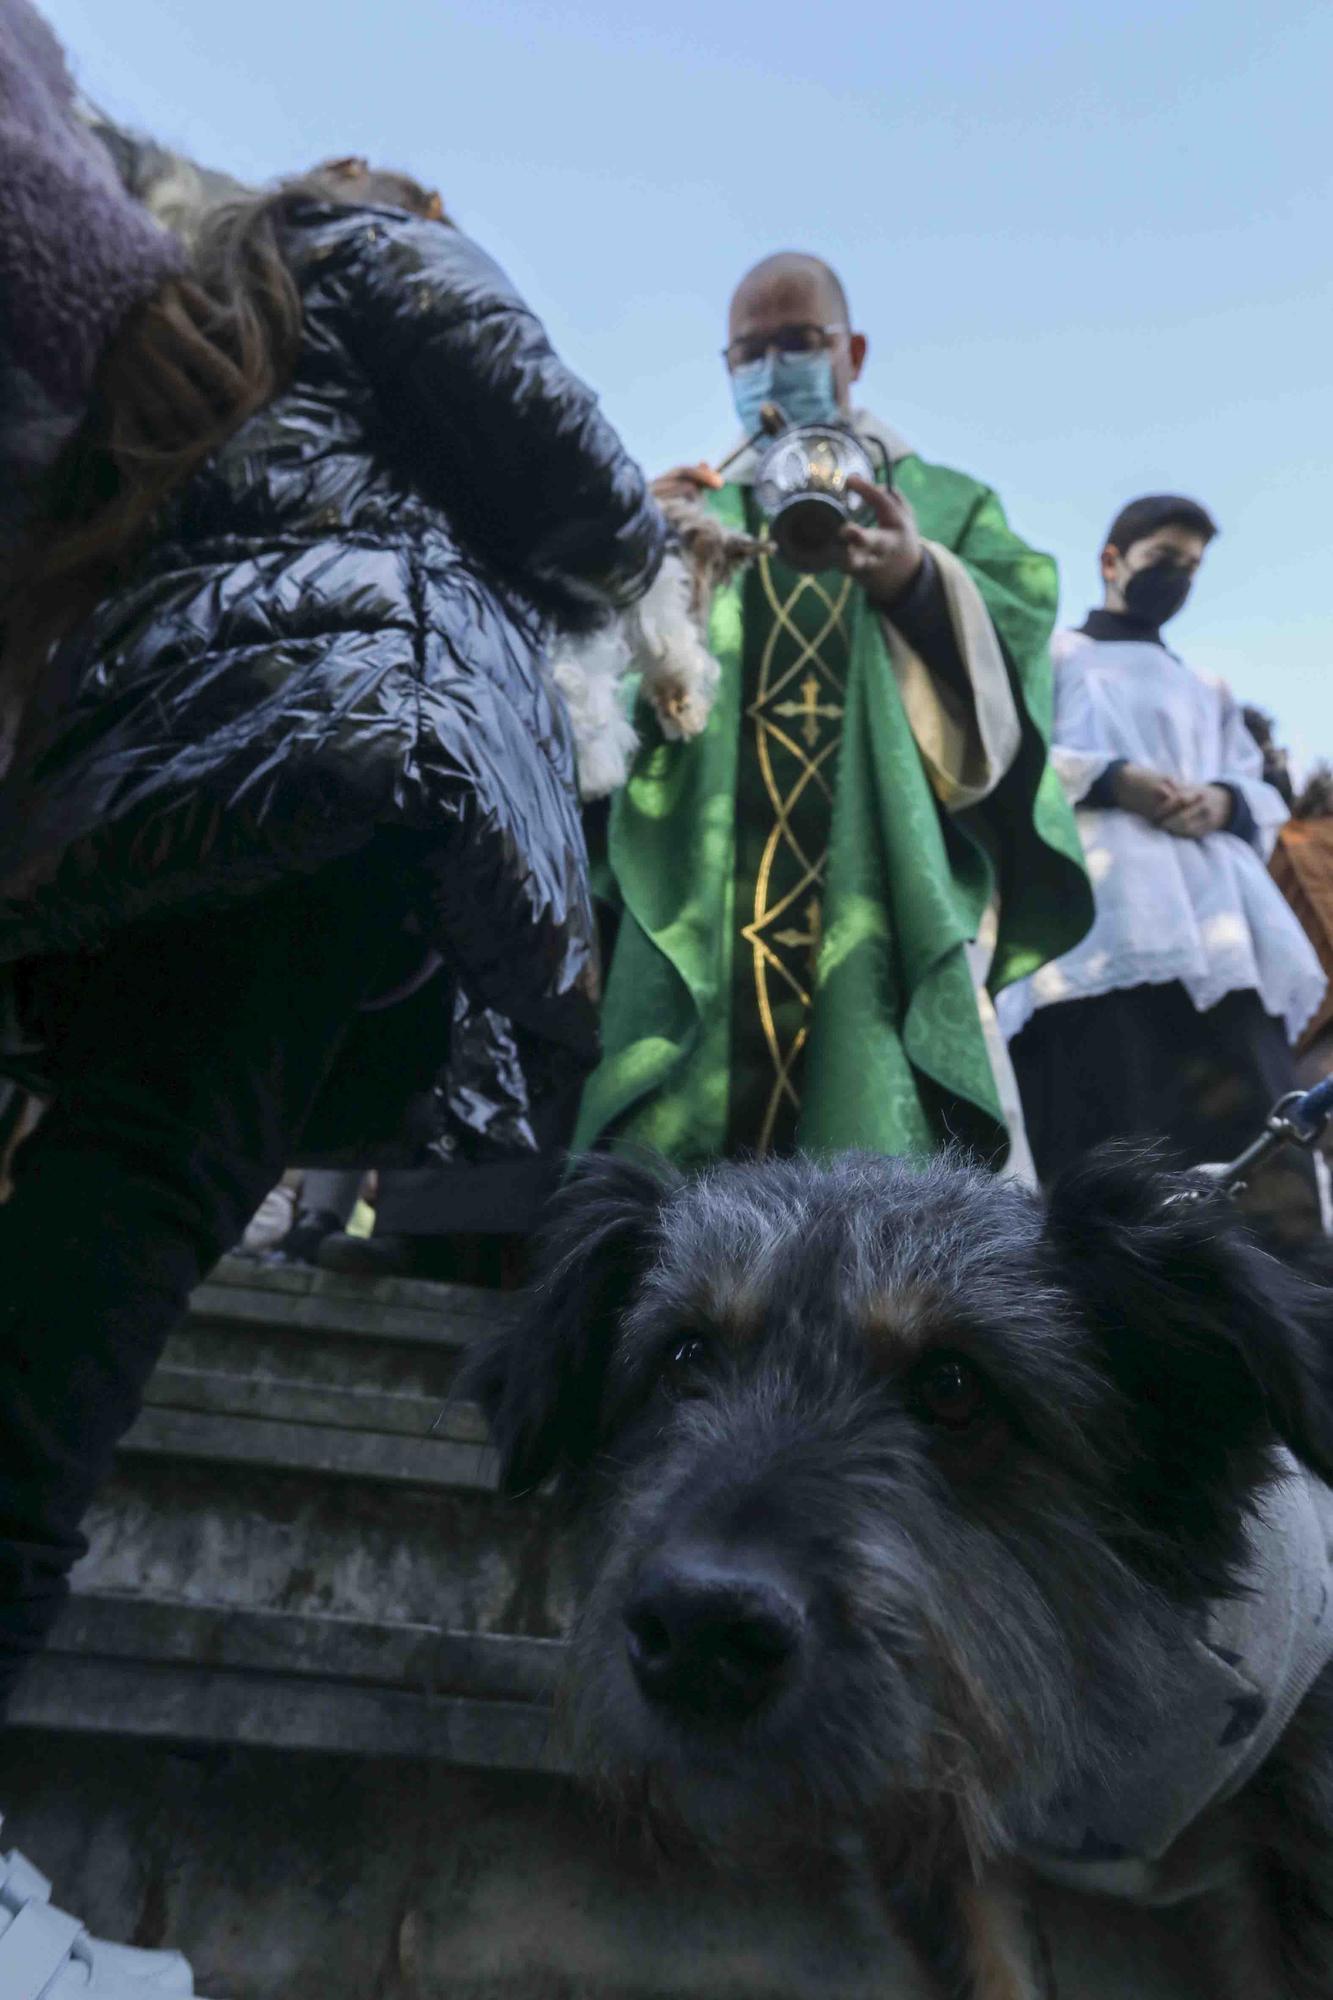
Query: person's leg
pixel 324 1206
pixel 331 1191
pixel 185 1077
pixel 1087 1072
pixel 466 1223
pixel 449 1224
pixel 1145 1064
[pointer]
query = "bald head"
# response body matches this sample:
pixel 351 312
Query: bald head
pixel 795 273
pixel 794 288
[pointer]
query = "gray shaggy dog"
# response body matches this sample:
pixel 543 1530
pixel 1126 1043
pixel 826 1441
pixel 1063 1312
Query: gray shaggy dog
pixel 985 1533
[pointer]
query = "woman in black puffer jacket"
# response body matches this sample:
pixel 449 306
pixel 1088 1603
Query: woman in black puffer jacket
pixel 286 752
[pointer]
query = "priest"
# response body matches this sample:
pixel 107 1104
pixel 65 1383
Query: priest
pixel 816 896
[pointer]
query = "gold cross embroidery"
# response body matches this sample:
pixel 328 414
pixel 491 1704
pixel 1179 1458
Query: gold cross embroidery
pixel 809 708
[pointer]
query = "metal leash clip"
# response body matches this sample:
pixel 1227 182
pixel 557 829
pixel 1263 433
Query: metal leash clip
pixel 1298 1119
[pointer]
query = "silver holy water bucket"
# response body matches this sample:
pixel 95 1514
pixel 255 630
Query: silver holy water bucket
pixel 800 483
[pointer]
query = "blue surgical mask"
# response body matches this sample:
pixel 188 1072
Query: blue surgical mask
pixel 800 384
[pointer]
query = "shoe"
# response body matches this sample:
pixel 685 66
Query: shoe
pixel 491 1263
pixel 378 1256
pixel 302 1243
pixel 270 1223
pixel 47 1955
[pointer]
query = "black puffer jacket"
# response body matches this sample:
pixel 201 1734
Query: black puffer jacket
pixel 342 630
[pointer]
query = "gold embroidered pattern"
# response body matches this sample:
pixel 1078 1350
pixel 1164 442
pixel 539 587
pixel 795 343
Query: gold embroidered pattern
pixel 797 715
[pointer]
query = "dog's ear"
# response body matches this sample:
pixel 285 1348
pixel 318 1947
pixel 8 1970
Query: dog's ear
pixel 540 1381
pixel 1217 1346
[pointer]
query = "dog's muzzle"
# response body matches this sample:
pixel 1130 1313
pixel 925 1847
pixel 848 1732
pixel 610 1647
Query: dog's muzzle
pixel 714 1635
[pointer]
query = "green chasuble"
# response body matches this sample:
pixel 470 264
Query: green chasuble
pixel 795 903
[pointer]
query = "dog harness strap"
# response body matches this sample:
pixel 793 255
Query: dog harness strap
pixel 33 1950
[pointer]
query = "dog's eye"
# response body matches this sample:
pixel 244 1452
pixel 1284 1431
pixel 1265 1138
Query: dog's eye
pixel 949 1391
pixel 683 1365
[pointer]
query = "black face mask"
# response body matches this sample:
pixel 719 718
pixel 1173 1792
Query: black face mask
pixel 1157 593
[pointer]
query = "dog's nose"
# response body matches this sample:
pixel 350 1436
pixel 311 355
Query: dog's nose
pixel 713 1638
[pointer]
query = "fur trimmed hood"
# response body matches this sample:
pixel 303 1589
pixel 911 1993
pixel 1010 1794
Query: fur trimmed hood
pixel 76 252
pixel 177 192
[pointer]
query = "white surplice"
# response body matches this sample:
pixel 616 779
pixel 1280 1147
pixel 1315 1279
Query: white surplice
pixel 1203 912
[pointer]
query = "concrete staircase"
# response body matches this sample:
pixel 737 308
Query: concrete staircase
pixel 296 1720
pixel 303 1549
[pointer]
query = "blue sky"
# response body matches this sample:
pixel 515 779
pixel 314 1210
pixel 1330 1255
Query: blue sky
pixel 1090 244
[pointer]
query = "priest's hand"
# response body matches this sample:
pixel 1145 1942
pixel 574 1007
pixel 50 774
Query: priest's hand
pixel 884 558
pixel 1204 809
pixel 685 482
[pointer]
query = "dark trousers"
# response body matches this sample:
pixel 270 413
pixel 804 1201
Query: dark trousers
pixel 1144 1063
pixel 186 1070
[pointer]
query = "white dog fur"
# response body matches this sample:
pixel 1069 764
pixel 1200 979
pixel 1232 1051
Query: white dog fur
pixel 660 640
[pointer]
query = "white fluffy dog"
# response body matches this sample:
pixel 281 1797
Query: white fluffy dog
pixel 662 640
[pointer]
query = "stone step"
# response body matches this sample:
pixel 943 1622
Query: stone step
pixel 244 1536
pixel 292 1399
pixel 175 1671
pixel 292 1877
pixel 283 1368
pixel 416 1659
pixel 302 1546
pixel 296 1299
pixel 329 1451
pixel 196 1706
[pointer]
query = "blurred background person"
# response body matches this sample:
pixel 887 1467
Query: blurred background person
pixel 1302 867
pixel 1276 762
pixel 468 1224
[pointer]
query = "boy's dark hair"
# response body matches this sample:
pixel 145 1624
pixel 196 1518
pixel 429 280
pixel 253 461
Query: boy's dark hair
pixel 1142 518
